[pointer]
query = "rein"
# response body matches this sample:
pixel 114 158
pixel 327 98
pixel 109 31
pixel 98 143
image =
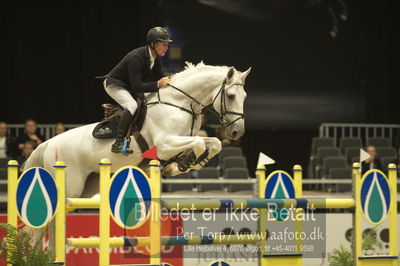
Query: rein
pixel 194 115
pixel 220 116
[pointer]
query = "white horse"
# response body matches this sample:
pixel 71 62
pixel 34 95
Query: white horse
pixel 166 127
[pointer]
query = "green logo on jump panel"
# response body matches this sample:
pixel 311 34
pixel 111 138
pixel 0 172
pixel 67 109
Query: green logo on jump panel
pixel 36 197
pixel 279 186
pixel 130 197
pixel 375 196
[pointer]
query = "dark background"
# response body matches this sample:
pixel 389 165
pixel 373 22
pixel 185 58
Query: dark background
pixel 301 76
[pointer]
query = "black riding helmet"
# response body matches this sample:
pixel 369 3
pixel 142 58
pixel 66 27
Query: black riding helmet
pixel 157 34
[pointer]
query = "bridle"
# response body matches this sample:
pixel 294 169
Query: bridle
pixel 223 111
pixel 221 115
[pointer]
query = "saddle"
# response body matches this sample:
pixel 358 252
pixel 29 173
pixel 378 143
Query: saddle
pixel 107 128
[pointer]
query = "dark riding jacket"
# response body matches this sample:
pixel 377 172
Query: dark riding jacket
pixel 134 74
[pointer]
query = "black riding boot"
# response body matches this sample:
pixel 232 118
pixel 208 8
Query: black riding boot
pixel 122 130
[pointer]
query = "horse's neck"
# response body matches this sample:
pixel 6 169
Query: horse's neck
pixel 201 86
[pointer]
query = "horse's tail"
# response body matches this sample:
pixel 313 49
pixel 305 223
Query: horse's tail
pixel 36 158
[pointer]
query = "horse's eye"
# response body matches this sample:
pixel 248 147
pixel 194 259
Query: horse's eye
pixel 231 96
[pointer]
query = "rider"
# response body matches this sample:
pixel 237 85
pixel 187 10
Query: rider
pixel 138 72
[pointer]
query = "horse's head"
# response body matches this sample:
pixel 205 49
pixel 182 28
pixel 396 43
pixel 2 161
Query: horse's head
pixel 228 101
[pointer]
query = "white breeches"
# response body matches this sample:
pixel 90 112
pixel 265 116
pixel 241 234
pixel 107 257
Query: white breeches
pixel 121 96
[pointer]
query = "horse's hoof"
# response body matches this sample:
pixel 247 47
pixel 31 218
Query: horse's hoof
pixel 170 169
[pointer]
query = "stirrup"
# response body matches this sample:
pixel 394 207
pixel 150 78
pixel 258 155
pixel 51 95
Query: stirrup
pixel 125 151
pixel 123 148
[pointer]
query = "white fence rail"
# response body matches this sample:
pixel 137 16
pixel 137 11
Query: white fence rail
pixel 46 130
pixel 364 131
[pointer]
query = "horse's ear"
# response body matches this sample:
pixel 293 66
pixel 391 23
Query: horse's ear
pixel 244 74
pixel 230 73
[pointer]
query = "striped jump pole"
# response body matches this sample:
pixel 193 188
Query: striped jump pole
pixel 242 204
pixel 170 241
pixel 223 204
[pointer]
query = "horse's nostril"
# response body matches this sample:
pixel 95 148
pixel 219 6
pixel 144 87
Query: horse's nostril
pixel 234 134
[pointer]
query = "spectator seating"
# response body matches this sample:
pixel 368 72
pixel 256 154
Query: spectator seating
pixel 228 151
pixel 323 152
pixel 379 142
pixel 316 143
pixel 180 187
pixel 349 148
pixel 350 154
pixel 238 173
pixel 209 173
pixel 386 152
pixel 332 162
pixel 4 162
pixel 386 160
pixel 3 180
pixel 341 173
pixel 346 142
pixel 3 173
pixel 233 161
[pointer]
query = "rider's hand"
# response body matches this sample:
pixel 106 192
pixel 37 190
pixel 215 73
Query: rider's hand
pixel 164 82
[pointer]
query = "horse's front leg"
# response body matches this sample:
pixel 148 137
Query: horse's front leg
pixel 172 145
pixel 213 147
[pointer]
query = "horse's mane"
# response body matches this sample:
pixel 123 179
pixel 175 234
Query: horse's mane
pixel 191 68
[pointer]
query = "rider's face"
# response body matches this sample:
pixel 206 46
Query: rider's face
pixel 161 48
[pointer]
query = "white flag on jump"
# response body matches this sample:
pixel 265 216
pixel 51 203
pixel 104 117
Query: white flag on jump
pixel 264 159
pixel 364 155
